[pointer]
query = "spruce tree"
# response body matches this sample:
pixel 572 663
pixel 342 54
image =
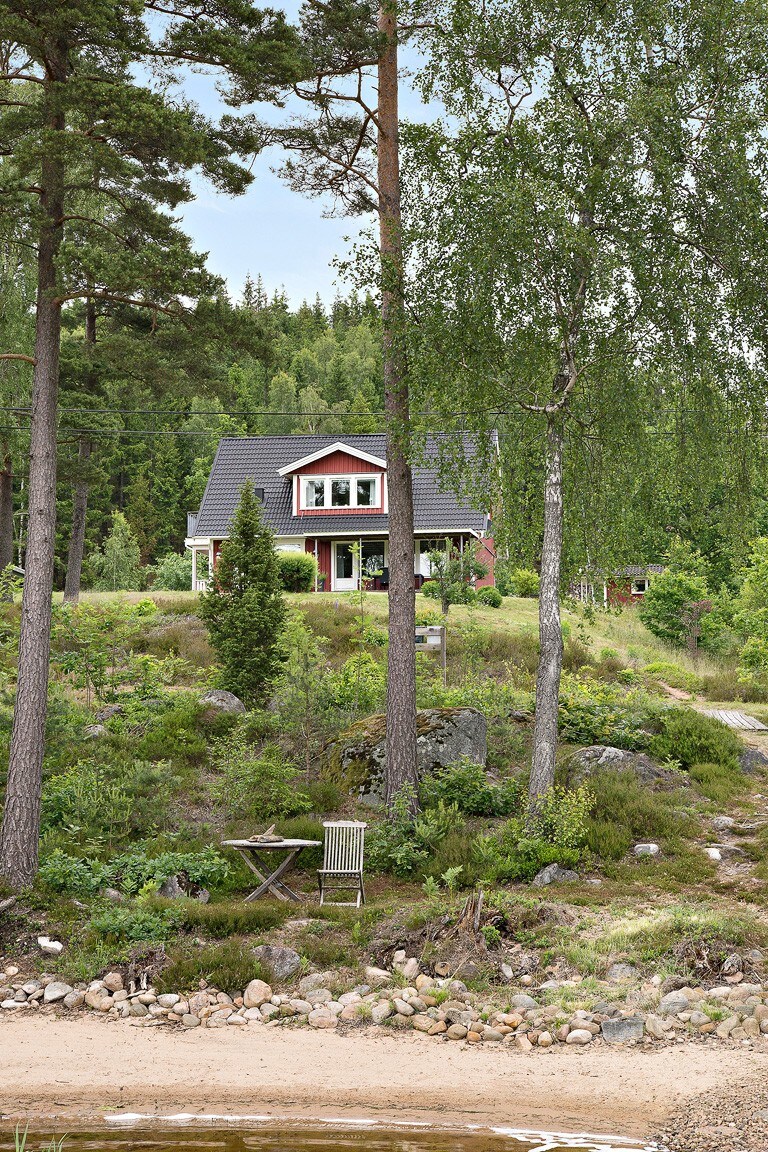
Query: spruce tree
pixel 243 607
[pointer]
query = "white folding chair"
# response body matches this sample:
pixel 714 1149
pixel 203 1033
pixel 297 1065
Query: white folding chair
pixel 342 869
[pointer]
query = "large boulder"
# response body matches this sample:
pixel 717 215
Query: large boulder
pixel 443 736
pixel 221 701
pixel 278 962
pixel 603 758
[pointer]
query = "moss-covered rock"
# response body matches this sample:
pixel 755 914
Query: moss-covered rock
pixel 443 736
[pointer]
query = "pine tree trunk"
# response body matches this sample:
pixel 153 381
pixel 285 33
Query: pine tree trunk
pixel 550 633
pixel 401 663
pixel 21 818
pixel 6 511
pixel 77 539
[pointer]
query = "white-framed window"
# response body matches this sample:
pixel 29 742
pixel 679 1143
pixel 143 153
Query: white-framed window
pixel 640 586
pixel 338 492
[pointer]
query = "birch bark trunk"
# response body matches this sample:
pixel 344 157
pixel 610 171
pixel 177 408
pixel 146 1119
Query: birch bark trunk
pixel 550 633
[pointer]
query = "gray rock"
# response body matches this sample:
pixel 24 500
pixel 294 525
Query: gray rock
pixel 107 712
pixel 56 990
pixel 673 1003
pixel 50 947
pixel 646 850
pixel 622 972
pixel 523 1001
pixel 190 1021
pixel 723 823
pixel 443 736
pixel 602 757
pixel 222 701
pixel 94 731
pixel 178 887
pixel 579 1036
pixel 75 999
pixel 114 896
pixel 280 963
pixel 753 761
pixel 554 874
pixel 623 1029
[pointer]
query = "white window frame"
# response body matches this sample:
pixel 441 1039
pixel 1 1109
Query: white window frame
pixel 327 481
pixel 635 591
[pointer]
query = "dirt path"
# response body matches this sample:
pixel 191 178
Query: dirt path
pixel 57 1072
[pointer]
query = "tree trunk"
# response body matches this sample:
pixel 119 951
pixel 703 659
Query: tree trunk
pixel 550 633
pixel 401 661
pixel 77 539
pixel 6 511
pixel 21 819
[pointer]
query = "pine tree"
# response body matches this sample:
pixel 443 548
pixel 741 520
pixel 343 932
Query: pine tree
pixel 243 607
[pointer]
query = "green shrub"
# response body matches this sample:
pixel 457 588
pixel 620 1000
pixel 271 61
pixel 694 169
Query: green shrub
pixel 84 802
pixel 490 597
pixel 117 567
pixel 359 686
pixel 326 796
pixel 259 786
pixel 524 582
pixel 296 570
pixel 718 782
pixel 691 738
pixel 595 712
pixel 665 609
pixel 556 833
pixel 466 785
pixel 402 844
pixel 173 572
pixel 624 811
pixel 229 966
pixel 133 871
pixel 228 918
pixel 63 873
pixel 137 925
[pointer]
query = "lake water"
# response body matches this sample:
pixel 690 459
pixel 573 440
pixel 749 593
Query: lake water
pixel 362 1137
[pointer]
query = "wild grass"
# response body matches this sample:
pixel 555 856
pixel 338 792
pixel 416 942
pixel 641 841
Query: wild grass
pixel 228 966
pixel 719 784
pixel 626 811
pixel 226 918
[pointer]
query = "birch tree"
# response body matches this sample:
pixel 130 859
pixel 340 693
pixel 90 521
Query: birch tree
pixel 574 246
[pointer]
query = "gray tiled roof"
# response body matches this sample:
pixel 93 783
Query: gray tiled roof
pixel 259 459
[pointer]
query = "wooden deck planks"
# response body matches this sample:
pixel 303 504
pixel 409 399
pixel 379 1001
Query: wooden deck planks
pixel 736 719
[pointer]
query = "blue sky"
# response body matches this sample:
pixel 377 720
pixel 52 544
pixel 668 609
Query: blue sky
pixel 272 230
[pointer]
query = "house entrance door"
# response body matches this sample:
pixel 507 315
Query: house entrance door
pixel 344 567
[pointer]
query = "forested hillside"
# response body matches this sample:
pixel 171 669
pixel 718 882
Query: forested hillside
pixel 144 406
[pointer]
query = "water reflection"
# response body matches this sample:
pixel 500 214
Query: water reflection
pixel 351 1138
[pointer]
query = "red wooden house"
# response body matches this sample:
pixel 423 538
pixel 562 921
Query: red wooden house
pixel 329 497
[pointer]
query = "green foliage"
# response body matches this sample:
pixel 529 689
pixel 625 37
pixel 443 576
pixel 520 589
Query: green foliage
pixel 251 785
pixel 490 597
pixel 92 643
pixel 296 571
pixel 402 844
pixel 137 925
pixel 451 573
pixel 359 686
pixel 243 607
pixel 718 782
pixel 625 810
pixel 118 565
pixel 221 920
pixel 133 871
pixel 467 785
pixel 692 738
pixel 672 674
pixel 595 712
pixel 63 873
pixel 174 572
pixel 554 833
pixel 524 582
pixel 87 804
pixel 666 605
pixel 229 965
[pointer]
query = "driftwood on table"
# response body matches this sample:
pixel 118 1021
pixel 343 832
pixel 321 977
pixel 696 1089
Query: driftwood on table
pixel 268 837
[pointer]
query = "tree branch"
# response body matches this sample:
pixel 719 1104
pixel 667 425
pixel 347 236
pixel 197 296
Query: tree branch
pixel 17 356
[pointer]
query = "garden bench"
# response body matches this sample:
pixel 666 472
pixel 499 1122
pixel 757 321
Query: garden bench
pixel 342 869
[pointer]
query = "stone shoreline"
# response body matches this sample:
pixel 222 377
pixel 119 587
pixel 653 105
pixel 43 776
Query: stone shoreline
pixel 408 999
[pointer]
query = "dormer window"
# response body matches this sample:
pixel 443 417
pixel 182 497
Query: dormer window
pixel 339 492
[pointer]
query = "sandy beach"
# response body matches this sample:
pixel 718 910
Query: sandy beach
pixel 79 1071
